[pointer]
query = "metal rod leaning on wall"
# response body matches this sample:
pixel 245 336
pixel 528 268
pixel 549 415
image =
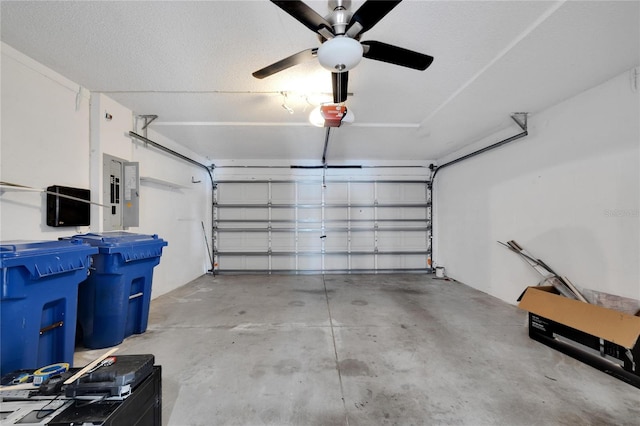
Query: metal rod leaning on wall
pixel 189 160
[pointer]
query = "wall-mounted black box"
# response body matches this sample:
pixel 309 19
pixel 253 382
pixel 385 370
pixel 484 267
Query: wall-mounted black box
pixel 68 206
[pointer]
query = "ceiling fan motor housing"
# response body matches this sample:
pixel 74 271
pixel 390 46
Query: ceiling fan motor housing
pixel 339 15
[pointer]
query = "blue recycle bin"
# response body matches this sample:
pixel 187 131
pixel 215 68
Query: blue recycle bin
pixel 38 303
pixel 114 301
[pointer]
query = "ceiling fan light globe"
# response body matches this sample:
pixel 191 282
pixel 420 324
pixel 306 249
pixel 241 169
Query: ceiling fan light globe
pixel 316 118
pixel 340 54
pixel 349 117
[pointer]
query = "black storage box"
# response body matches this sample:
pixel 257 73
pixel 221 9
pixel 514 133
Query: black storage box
pixel 603 338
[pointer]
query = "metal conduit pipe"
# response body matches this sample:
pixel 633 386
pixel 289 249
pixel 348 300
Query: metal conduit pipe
pixel 170 151
pixel 523 126
pixel 188 160
pixel 521 120
pixel 326 146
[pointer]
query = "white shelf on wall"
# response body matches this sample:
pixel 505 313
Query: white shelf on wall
pixel 172 185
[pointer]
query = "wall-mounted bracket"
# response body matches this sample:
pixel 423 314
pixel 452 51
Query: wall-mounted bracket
pixel 148 119
pixel 521 119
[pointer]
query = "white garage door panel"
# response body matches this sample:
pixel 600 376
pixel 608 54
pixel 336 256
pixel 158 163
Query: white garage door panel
pixel 282 263
pixel 363 193
pixel 309 226
pixel 257 193
pixel 335 214
pixel 244 241
pixel 243 214
pixel 309 193
pixel 401 240
pixel 363 263
pixel 309 263
pixel 282 241
pixel 283 193
pixel 309 214
pixel 363 241
pixel 404 262
pixel 309 241
pixel 362 214
pixel 336 241
pixel 245 263
pixel 407 213
pixel 336 262
pixel 283 214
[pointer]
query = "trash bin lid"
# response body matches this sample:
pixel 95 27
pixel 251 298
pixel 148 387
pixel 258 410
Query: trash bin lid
pixel 12 249
pixel 31 253
pixel 119 241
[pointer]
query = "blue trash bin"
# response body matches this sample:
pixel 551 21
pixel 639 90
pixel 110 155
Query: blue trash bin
pixel 113 303
pixel 39 298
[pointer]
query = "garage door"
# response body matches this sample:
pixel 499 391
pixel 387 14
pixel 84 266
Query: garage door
pixel 322 226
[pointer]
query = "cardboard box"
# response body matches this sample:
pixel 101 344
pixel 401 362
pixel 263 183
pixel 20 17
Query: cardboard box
pixel 603 338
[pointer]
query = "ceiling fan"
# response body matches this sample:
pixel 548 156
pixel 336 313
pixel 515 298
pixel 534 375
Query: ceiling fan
pixel 341 49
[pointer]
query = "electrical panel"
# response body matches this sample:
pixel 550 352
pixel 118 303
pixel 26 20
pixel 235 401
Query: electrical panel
pixel 121 193
pixel 131 195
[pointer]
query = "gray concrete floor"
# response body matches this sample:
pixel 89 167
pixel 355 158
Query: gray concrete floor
pixel 362 350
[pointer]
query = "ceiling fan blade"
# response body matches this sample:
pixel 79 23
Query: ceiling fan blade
pixel 396 55
pixel 285 63
pixel 369 14
pixel 306 16
pixel 339 84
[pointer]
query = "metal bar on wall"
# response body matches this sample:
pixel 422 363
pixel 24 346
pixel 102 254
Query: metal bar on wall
pixel 195 163
pixel 520 118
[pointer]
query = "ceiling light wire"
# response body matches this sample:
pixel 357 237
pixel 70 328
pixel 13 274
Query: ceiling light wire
pixel 284 103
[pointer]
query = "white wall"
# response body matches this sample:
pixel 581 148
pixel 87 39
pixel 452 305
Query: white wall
pixel 49 138
pixel 180 212
pixel 45 133
pixel 568 193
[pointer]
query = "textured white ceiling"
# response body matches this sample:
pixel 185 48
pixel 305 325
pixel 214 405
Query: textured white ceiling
pixel 191 63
